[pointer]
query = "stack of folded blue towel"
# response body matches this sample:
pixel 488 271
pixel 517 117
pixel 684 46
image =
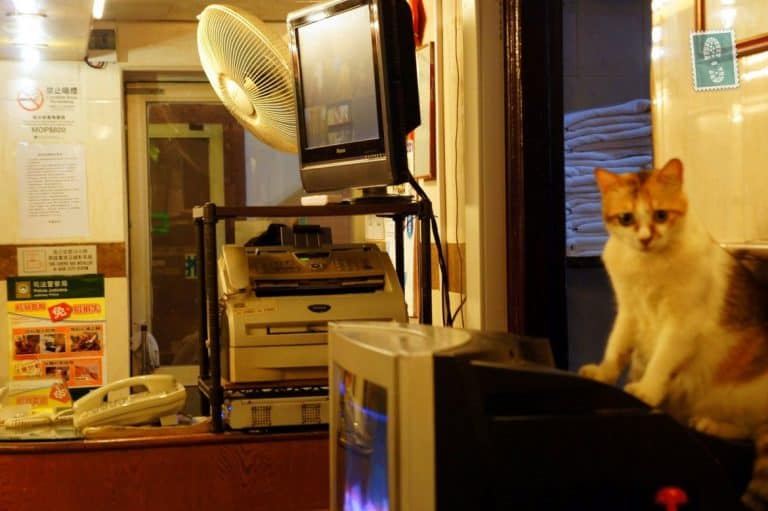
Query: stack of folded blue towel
pixel 616 138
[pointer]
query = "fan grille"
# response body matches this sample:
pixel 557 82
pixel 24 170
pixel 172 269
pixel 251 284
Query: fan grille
pixel 247 66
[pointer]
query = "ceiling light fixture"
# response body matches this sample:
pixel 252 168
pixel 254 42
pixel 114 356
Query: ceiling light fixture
pixel 98 9
pixel 29 29
pixel 26 6
pixel 30 55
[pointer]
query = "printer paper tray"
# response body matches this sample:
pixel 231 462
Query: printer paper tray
pixel 278 362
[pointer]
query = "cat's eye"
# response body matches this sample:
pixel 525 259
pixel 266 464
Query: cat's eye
pixel 626 219
pixel 660 216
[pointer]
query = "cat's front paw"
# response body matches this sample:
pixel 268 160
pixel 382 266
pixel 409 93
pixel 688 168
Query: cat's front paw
pixel 713 427
pixel 597 372
pixel 650 395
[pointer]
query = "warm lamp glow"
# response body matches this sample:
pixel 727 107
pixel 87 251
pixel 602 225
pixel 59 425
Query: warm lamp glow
pixel 98 9
pixel 26 6
pixel 727 16
pixel 30 56
pixel 656 34
pixel 29 30
pixel 736 114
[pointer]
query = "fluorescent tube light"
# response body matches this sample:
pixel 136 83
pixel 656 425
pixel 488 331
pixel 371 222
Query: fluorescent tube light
pixel 26 6
pixel 30 55
pixel 98 9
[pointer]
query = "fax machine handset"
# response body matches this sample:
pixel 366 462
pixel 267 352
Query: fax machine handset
pixel 233 270
pixel 164 397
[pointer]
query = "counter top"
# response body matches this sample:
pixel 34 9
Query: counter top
pixel 288 471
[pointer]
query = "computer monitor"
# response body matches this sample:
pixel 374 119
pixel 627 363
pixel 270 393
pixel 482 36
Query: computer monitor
pixel 354 67
pixel 430 418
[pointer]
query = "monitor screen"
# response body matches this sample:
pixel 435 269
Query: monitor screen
pixel 339 86
pixel 354 65
pixel 361 461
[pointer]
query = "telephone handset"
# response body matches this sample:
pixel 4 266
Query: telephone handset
pixel 164 397
pixel 233 270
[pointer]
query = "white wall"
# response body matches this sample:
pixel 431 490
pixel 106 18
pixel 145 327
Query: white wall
pixel 101 135
pixel 484 170
pixel 164 47
pixel 468 193
pixel 271 176
pixel 605 52
pixel 167 47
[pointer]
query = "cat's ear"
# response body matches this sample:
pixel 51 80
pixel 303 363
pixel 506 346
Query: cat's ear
pixel 671 173
pixel 606 179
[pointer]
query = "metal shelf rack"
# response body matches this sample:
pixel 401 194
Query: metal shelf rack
pixel 208 215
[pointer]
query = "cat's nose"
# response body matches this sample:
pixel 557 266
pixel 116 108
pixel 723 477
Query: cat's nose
pixel 644 236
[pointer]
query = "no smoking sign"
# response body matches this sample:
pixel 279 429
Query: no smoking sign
pixel 30 100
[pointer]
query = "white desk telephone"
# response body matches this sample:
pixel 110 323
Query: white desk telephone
pixel 164 397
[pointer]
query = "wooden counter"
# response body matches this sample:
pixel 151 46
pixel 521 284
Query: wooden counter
pixel 226 471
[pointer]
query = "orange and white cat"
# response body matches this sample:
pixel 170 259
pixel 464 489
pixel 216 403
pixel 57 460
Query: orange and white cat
pixel 692 321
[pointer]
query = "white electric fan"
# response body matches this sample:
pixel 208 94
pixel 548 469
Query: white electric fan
pixel 248 67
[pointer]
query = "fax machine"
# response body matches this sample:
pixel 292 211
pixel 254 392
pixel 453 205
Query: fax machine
pixel 279 299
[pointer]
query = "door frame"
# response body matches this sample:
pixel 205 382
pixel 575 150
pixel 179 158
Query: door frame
pixel 137 97
pixel 536 294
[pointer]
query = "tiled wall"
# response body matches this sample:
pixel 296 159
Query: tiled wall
pixel 605 52
pixel 718 134
pixel 100 133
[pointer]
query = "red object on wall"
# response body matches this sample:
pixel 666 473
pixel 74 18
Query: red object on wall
pixel 419 20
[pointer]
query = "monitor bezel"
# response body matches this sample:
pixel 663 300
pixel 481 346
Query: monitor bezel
pixel 375 367
pixel 398 357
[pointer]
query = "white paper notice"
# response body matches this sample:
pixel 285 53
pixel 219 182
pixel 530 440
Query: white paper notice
pixel 46 112
pixel 53 200
pixel 58 260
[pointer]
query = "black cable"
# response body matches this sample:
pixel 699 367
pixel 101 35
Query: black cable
pixel 448 318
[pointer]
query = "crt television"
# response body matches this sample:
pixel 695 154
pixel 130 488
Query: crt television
pixel 433 418
pixel 354 66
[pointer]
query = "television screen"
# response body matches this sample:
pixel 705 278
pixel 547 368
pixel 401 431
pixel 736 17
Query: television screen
pixel 339 87
pixel 354 64
pixel 361 461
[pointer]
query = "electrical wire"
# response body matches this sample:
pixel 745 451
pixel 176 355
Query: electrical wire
pixel 448 318
pixel 42 419
pixel 457 63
